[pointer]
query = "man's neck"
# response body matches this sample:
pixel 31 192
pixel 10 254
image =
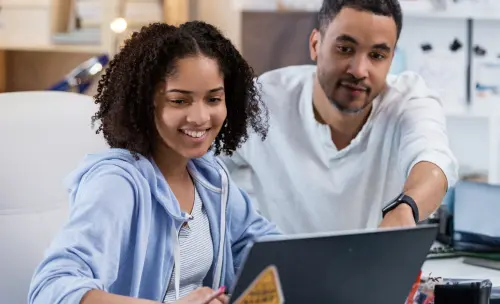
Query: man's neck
pixel 344 127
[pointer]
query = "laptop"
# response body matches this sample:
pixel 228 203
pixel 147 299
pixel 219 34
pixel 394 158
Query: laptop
pixel 475 217
pixel 369 266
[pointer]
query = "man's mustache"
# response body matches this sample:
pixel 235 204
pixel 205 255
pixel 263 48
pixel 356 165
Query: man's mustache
pixel 355 83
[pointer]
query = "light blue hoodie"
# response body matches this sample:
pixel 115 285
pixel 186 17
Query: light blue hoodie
pixel 124 219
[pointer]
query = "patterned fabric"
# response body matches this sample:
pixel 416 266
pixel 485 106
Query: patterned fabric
pixel 196 250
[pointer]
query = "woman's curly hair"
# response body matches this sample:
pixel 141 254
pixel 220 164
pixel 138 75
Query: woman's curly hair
pixel 126 91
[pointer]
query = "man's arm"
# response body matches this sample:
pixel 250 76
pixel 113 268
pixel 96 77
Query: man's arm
pixel 427 185
pixel 424 157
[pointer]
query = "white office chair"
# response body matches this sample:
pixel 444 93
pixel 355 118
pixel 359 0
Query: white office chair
pixel 43 137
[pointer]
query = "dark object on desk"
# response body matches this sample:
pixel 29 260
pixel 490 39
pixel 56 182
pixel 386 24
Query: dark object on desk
pixel 362 267
pixel 444 248
pixel 440 251
pixel 481 262
pixel 463 292
pixel 445 218
pixel 495 295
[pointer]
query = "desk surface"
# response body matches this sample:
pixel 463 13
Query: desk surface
pixel 454 268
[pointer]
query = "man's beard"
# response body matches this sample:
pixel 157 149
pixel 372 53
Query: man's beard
pixel 338 105
pixel 347 110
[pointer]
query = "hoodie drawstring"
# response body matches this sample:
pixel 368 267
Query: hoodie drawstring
pixel 224 195
pixel 177 261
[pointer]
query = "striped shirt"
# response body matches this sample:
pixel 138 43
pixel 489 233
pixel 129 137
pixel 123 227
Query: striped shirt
pixel 196 252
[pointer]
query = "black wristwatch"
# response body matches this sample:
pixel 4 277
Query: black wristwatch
pixel 402 199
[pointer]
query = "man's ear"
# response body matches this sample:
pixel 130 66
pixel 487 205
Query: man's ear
pixel 314 44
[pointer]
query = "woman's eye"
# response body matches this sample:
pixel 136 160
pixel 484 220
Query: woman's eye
pixel 214 99
pixel 177 101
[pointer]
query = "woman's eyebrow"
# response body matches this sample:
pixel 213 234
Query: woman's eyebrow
pixel 191 92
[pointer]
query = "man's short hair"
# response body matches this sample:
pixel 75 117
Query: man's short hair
pixel 330 9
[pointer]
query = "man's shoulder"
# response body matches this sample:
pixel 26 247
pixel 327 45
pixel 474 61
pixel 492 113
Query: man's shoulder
pixel 279 85
pixel 409 84
pixel 409 89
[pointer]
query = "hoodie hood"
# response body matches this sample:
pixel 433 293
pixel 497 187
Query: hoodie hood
pixel 143 169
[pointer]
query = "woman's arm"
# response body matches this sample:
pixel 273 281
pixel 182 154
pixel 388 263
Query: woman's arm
pixel 102 297
pixel 203 295
pixel 86 253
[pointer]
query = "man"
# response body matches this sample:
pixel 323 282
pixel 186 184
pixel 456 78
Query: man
pixel 346 140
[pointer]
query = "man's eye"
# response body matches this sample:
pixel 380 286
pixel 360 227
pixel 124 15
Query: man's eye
pixel 344 49
pixel 377 56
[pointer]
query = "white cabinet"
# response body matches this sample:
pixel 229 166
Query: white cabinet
pixel 27 3
pixel 17 31
pixel 30 23
pixel 474 134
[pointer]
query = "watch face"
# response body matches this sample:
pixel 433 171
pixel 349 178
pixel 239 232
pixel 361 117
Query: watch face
pixel 393 202
pixel 400 197
pixel 397 198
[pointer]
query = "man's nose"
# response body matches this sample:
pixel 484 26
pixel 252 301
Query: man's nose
pixel 358 67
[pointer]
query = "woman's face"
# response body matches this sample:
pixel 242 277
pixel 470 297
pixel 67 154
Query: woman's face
pixel 190 108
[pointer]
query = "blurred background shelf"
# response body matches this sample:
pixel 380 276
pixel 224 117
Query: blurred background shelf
pixel 462 10
pixel 60 48
pixel 61 34
pixel 458 14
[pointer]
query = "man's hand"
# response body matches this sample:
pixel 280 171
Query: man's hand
pixel 401 216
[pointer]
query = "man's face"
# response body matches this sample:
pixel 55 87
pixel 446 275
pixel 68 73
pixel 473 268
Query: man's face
pixel 353 57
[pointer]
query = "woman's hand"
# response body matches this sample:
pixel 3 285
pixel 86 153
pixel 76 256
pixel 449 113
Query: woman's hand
pixel 205 295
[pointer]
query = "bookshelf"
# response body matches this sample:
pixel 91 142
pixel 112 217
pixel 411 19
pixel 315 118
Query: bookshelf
pixel 35 55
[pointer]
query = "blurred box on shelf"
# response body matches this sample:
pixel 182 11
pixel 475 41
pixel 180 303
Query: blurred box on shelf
pixel 45 18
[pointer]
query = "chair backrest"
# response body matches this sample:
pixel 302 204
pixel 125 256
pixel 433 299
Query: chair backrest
pixel 43 135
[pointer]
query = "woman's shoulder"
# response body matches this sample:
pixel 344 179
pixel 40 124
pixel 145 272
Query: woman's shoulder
pixel 119 163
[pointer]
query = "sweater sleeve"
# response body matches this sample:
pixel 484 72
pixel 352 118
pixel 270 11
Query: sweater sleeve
pixel 86 253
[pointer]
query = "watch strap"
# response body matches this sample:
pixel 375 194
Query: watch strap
pixel 403 199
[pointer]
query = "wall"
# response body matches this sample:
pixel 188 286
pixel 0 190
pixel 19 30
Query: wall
pixel 272 40
pixel 222 14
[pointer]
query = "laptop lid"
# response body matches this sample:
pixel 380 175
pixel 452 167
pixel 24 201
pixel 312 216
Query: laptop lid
pixel 375 266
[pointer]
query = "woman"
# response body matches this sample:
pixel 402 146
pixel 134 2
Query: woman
pixel 156 218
